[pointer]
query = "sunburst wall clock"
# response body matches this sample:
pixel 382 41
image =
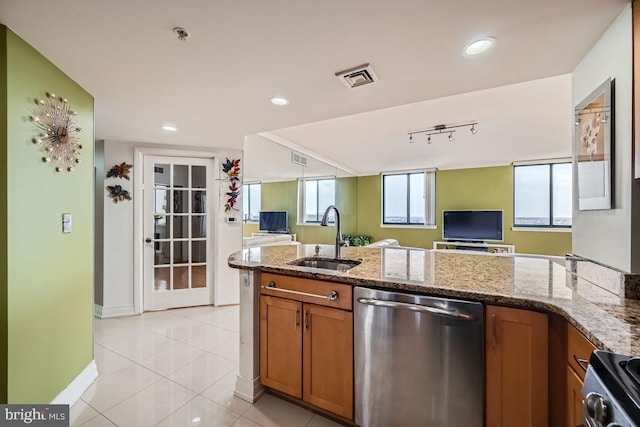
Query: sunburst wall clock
pixel 57 132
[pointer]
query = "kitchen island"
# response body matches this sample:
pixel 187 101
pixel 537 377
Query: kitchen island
pixel 610 321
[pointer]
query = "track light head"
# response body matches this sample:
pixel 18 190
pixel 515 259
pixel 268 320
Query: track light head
pixel 473 129
pixel 410 137
pixel 428 139
pixel 450 136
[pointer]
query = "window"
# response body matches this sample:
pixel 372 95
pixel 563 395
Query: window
pixel 408 198
pixel 252 201
pixel 542 195
pixel 314 197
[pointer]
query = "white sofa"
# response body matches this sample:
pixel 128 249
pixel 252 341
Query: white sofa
pixel 268 240
pixel 384 242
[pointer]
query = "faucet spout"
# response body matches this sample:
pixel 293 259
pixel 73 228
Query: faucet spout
pixel 325 222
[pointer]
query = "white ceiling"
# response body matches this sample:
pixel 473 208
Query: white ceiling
pixel 215 86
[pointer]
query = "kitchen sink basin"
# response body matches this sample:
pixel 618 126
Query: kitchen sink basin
pixel 326 263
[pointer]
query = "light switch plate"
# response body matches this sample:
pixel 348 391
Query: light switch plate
pixel 66 223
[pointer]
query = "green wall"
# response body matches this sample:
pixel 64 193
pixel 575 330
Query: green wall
pixel 49 286
pixel 4 280
pixel 284 196
pixel 477 188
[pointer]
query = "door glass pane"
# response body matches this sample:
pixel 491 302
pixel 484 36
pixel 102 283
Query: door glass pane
pixel 395 199
pixel 562 207
pixel 326 197
pixel 181 176
pixel 161 278
pixel 161 197
pixel 531 195
pixel 162 254
pixel 311 202
pixel 161 227
pixel 199 253
pixel 198 202
pixel 180 252
pixel 180 201
pixel 180 227
pixel 198 226
pixel 181 277
pixel 161 175
pixel 199 276
pixel 198 176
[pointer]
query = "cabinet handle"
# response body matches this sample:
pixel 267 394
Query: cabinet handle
pixel 493 329
pixel 331 297
pixel 297 318
pixel 583 363
pixel 305 320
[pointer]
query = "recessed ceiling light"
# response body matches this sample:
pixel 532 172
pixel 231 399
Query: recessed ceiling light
pixel 279 100
pixel 479 46
pixel 169 128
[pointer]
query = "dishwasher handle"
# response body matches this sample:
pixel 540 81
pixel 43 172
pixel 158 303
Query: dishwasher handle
pixel 416 307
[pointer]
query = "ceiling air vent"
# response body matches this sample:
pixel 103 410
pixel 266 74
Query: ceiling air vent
pixel 358 76
pixel 298 159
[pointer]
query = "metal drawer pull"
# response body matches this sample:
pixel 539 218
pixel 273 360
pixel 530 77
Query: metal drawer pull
pixel 415 307
pixel 331 297
pixel 297 319
pixel 583 363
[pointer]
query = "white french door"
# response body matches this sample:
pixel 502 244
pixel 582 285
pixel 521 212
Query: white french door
pixel 178 258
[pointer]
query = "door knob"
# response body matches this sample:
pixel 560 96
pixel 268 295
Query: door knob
pixel 148 240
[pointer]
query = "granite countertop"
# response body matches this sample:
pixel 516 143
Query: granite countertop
pixel 611 322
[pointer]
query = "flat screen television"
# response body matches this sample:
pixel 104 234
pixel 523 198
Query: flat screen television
pixel 474 226
pixel 274 221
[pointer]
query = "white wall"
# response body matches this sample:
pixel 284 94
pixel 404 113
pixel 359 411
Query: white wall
pixel 605 235
pixel 119 282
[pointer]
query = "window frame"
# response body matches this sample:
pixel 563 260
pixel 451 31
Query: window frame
pixel 247 202
pixel 302 199
pixel 550 225
pixel 429 182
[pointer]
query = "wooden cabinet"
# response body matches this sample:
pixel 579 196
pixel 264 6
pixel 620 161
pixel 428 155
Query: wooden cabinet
pixel 516 367
pixel 306 348
pixel 579 350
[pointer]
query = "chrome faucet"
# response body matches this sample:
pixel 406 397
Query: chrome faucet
pixel 325 221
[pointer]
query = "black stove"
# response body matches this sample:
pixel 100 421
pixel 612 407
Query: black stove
pixel 611 391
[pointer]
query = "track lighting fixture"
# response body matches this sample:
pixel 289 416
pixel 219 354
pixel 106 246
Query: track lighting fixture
pixel 438 129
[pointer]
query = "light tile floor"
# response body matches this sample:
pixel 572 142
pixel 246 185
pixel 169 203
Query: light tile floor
pixel 177 368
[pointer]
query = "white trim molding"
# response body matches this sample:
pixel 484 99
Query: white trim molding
pixel 543 229
pixel 78 386
pixel 110 312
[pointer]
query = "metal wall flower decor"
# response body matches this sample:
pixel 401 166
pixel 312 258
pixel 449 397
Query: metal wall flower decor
pixel 57 132
pixel 120 171
pixel 118 194
pixel 232 169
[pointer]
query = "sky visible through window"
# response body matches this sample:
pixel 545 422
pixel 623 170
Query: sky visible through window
pixel 251 208
pixel 533 198
pixel 402 194
pixel 319 195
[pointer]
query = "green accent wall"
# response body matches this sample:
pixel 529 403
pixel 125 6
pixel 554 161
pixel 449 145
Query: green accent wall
pixel 4 279
pixel 477 188
pixel 48 309
pixel 284 196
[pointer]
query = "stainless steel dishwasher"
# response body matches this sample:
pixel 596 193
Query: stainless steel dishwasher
pixel 418 360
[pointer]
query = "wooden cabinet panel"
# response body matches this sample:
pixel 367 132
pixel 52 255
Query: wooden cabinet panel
pixel 328 359
pixel 579 348
pixel 574 399
pixel 281 344
pixel 516 367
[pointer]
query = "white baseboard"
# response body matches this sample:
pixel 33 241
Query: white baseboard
pixel 113 311
pixel 248 389
pixel 78 386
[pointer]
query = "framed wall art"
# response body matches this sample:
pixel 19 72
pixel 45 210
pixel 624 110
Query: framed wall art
pixel 593 148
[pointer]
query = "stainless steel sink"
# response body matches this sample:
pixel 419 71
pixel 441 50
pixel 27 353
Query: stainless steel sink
pixel 326 263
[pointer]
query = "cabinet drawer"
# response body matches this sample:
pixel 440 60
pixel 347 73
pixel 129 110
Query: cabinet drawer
pixel 307 286
pixel 579 350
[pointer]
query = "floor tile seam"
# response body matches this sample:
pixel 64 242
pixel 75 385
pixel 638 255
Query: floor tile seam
pixel 219 355
pixel 128 397
pixel 221 406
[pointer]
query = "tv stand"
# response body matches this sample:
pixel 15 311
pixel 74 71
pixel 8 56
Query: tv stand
pixel 475 246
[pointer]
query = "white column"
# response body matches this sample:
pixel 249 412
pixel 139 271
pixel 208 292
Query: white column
pixel 248 385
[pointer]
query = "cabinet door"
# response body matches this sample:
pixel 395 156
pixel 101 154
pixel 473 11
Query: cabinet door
pixel 328 359
pixel 574 399
pixel 517 367
pixel 281 344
